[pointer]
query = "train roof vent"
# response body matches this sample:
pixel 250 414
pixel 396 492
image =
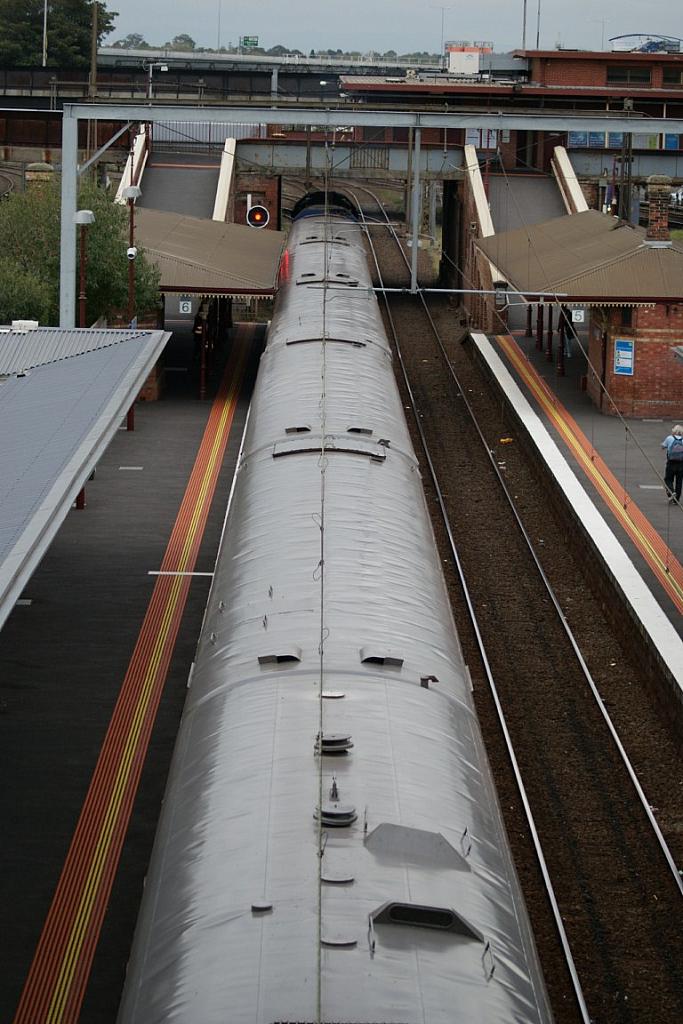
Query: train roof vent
pixel 375 656
pixel 359 430
pixel 310 277
pixel 334 743
pixel 318 341
pixel 337 878
pixel 288 654
pixel 303 429
pixel 338 941
pixel 333 446
pixel 442 919
pixel 335 240
pixel 335 815
pixel 394 845
pixel 333 694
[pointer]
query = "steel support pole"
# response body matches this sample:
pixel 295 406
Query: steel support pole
pixel 561 341
pixel 82 292
pixel 202 361
pixel 67 249
pixel 131 263
pixel 539 327
pixel 416 211
pixel 549 336
pixel 274 83
pixel 529 331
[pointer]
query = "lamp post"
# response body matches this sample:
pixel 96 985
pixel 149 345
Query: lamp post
pixel 439 7
pixel 150 68
pixel 83 218
pixel 130 194
pixel 45 33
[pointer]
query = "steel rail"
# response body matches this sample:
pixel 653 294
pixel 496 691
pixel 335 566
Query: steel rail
pixel 565 625
pixel 647 807
pixel 550 891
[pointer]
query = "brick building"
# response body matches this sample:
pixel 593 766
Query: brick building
pixel 630 281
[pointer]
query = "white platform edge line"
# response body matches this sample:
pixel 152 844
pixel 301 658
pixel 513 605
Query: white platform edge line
pixel 641 599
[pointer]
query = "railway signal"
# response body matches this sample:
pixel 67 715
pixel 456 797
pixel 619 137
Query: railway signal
pixel 257 216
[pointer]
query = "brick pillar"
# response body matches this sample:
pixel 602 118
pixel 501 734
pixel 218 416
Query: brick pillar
pixel 658 197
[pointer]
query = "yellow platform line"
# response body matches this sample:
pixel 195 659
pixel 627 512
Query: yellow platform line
pixel 658 556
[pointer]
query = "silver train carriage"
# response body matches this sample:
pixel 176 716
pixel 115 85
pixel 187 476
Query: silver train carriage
pixel 330 846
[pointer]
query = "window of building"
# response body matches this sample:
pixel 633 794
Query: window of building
pixel 673 76
pixel 628 76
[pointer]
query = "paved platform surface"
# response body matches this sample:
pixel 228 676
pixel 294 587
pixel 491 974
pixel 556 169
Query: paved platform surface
pixel 629 446
pixel 62 660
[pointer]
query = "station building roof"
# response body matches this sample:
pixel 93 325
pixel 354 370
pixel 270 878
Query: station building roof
pixel 591 257
pixel 63 394
pixel 210 257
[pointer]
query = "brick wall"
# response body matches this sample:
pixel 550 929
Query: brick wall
pixel 475 267
pixel 592 193
pixel 265 191
pixel 568 72
pixel 656 387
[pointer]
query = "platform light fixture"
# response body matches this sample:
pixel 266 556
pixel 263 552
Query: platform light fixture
pixel 83 219
pixel 131 194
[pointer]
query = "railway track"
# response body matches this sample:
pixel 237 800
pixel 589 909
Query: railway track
pixel 617 896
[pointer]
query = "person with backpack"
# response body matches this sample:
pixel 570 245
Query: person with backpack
pixel 673 475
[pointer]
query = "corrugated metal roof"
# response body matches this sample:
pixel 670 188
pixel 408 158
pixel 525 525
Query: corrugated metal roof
pixel 587 254
pixel 56 420
pixel 24 350
pixel 207 255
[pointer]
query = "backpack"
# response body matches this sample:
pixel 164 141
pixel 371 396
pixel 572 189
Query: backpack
pixel 675 452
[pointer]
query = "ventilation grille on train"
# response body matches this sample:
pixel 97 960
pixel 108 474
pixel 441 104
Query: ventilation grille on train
pixel 342 341
pixel 441 919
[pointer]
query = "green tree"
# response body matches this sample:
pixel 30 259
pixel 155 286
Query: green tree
pixel 133 41
pixel 69 29
pixel 29 228
pixel 23 296
pixel 181 42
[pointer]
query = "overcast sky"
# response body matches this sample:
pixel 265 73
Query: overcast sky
pixel 401 25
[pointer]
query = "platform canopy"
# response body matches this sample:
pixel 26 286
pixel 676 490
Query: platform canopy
pixel 63 394
pixel 588 257
pixel 209 257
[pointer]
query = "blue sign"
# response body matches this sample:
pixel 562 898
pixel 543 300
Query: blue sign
pixel 596 140
pixel 670 141
pixel 575 139
pixel 623 357
pixel 615 140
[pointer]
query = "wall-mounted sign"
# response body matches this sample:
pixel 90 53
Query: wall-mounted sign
pixel 578 316
pixel 185 305
pixel 623 356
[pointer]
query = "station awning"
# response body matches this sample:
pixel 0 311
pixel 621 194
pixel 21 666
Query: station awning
pixel 63 394
pixel 209 257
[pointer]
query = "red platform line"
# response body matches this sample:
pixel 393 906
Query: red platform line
pixel 649 543
pixel 55 985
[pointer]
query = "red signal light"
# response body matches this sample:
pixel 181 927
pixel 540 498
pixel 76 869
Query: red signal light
pixel 257 217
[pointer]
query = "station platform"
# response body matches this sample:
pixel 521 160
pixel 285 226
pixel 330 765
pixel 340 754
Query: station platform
pixel 145 543
pixel 619 462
